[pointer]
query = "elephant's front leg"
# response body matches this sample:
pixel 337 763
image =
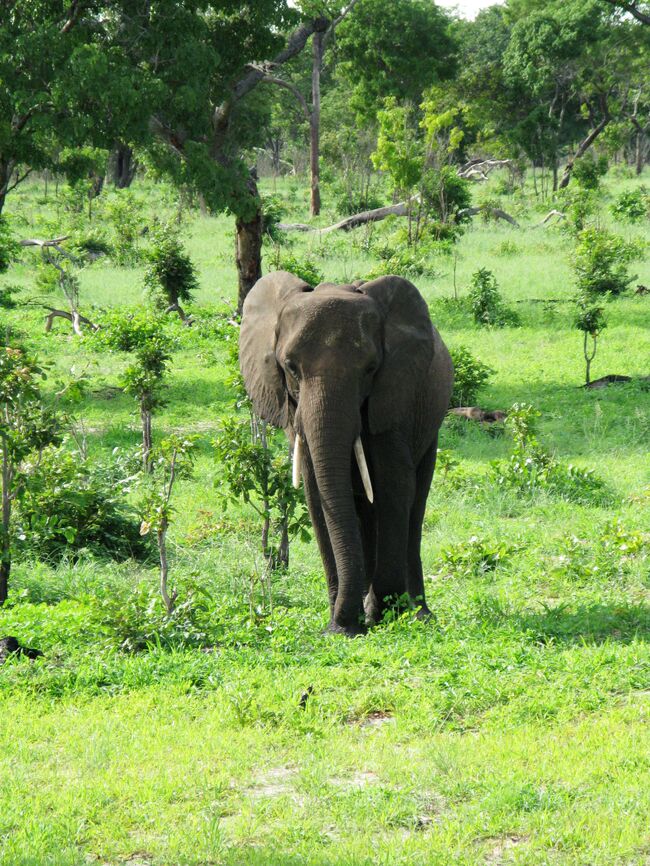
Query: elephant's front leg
pixel 393 479
pixel 320 529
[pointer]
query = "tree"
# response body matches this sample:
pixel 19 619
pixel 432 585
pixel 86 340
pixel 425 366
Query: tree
pixel 170 276
pixel 142 334
pixel 394 49
pixel 637 8
pixel 65 79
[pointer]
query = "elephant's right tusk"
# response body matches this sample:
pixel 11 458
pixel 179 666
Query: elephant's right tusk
pixel 363 468
pixel 297 457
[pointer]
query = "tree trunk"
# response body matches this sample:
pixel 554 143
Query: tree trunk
pixel 314 123
pixel 248 247
pixel 168 600
pixel 122 166
pixel 5 177
pixel 583 147
pixel 145 417
pixel 5 546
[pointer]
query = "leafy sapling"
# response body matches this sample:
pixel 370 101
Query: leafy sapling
pixel 170 276
pixel 27 426
pixel 590 319
pixel 173 460
pixel 142 334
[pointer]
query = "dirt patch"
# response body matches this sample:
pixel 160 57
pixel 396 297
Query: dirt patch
pixel 356 780
pixel 500 847
pixel 374 721
pixel 276 782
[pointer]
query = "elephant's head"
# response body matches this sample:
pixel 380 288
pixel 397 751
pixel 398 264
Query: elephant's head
pixel 327 364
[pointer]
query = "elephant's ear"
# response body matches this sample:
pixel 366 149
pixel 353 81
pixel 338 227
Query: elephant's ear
pixel 408 350
pixel 257 338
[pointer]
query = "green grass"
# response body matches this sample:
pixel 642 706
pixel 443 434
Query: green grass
pixel 514 728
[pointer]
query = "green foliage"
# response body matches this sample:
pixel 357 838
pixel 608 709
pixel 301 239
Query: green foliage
pixel 601 260
pixel 398 152
pixel 475 557
pixel 71 503
pixel 588 170
pixel 257 471
pixel 135 620
pixel 172 460
pixel 632 205
pixel 9 247
pixel 170 276
pixel 304 267
pixel 470 376
pixel 590 319
pixel 422 53
pixel 531 468
pixel 487 303
pixel 125 217
pixel 445 192
pixel 609 556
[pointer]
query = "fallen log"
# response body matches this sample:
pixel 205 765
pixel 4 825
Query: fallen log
pixel 478 169
pixel 604 381
pixel 352 222
pixel 495 212
pixel 549 216
pixel 76 319
pixel 474 413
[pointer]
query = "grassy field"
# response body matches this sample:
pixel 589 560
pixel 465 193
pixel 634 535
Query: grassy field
pixel 512 729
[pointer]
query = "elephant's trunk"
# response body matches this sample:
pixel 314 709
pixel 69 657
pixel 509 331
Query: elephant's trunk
pixel 330 421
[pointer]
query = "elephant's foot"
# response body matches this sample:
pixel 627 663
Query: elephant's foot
pixel 349 629
pixel 424 614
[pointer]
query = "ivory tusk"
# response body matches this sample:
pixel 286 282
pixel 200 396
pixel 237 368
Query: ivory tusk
pixel 297 457
pixel 363 468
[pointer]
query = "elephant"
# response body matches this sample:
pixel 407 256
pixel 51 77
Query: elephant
pixel 357 370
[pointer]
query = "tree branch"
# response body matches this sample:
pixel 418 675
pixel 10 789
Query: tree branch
pixel 280 82
pixel 632 8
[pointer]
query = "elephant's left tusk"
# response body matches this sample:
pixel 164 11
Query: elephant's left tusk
pixel 363 467
pixel 297 457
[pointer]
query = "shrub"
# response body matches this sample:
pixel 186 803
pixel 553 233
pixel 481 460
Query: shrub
pixel 475 557
pixel 9 247
pixel 304 268
pixel 125 216
pixel 531 468
pixel 470 376
pixel 70 503
pixel 601 260
pixel 588 171
pixel 633 205
pixel 170 276
pixel 486 302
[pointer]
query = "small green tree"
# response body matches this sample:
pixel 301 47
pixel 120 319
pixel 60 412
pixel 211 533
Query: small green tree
pixel 590 319
pixel 170 276
pixel 173 460
pixel 142 334
pixel 470 376
pixel 486 301
pixel 27 426
pixel 600 262
pixel 257 471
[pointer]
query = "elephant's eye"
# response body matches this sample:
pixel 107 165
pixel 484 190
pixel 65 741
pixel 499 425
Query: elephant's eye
pixel 291 368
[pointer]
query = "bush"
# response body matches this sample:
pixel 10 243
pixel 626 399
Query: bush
pixel 601 260
pixel 470 376
pixel 633 205
pixel 486 302
pixel 531 468
pixel 588 171
pixel 170 276
pixel 9 247
pixel 304 268
pixel 475 557
pixel 125 216
pixel 444 192
pixel 70 503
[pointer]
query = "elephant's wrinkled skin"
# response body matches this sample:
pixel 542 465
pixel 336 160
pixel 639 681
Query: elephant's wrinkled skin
pixel 332 363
